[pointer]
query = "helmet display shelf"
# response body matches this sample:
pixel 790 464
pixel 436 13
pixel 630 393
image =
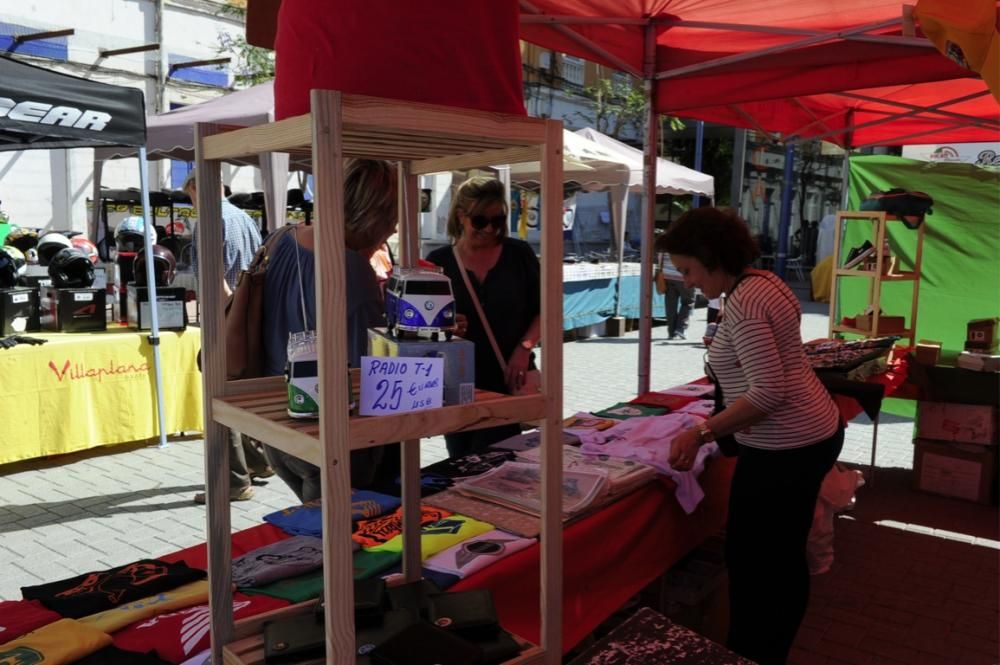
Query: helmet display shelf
pixel 425 139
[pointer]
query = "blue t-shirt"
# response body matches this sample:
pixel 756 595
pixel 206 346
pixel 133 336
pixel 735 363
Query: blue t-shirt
pixel 283 306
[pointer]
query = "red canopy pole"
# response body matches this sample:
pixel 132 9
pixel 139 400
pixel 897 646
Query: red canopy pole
pixel 648 211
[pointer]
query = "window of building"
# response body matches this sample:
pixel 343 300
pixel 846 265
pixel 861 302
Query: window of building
pixel 573 69
pixel 545 60
pixel 54 48
pixel 216 75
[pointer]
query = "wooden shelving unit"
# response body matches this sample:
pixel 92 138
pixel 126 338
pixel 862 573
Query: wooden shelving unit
pixel 877 277
pixel 423 138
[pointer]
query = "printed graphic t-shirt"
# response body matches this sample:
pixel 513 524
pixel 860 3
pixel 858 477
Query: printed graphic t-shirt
pixel 63 641
pixel 18 617
pixel 95 592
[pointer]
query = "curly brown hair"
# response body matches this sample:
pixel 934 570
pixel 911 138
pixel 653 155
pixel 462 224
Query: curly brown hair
pixel 717 237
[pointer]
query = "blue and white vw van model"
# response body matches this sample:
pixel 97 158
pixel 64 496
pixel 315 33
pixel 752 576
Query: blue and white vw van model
pixel 419 303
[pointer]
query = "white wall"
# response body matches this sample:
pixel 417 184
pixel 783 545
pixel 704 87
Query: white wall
pixel 50 188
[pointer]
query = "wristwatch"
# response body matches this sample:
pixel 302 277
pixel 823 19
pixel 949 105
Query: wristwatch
pixel 527 344
pixel 705 434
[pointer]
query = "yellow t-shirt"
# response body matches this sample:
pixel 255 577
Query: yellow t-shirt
pixel 439 536
pixel 193 593
pixel 63 641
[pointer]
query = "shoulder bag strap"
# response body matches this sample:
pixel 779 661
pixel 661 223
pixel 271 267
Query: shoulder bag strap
pixel 479 309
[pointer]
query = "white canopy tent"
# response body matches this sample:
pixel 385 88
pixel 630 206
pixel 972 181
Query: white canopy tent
pixel 598 162
pixel 671 178
pixel 171 136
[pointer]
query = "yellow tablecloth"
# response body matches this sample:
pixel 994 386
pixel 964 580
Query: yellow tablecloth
pixel 82 390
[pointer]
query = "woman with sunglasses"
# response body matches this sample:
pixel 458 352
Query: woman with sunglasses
pixel 787 429
pixel 505 274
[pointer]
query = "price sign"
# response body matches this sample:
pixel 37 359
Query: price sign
pixel 397 385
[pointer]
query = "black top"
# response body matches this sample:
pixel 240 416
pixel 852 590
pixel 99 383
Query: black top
pixel 511 298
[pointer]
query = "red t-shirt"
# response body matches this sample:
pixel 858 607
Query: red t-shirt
pixel 451 52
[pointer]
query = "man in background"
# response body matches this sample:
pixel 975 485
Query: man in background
pixel 240 241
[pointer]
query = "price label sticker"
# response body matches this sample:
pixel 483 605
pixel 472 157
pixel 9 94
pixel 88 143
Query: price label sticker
pixel 399 385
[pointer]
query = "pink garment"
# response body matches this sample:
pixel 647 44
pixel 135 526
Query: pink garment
pixel 648 440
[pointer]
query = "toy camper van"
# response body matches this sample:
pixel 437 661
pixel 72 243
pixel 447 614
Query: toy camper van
pixel 419 303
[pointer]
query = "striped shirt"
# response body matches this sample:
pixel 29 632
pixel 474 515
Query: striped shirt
pixel 757 353
pixel 240 240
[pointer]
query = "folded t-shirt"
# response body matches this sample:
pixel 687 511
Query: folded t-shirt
pixel 439 535
pixel 477 553
pixel 63 641
pixel 307 519
pixel 176 636
pixel 18 617
pixel 372 533
pixel 284 558
pixel 193 593
pixel 95 592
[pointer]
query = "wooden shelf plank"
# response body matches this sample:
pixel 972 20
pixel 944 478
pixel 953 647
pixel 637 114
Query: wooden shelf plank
pixel 868 333
pixel 263 416
pixel 898 277
pixel 375 127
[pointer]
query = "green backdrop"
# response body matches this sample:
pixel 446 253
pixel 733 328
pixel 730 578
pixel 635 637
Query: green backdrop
pixel 960 279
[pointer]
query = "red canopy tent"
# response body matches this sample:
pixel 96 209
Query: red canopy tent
pixel 773 65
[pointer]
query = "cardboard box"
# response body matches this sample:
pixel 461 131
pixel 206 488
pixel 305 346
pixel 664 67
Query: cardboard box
pixel 170 310
pixel 964 423
pixel 983 335
pixel 73 310
pixel 978 362
pixel 35 277
pixel 19 311
pixel 956 470
pixel 928 352
pixel 459 360
pixel 887 324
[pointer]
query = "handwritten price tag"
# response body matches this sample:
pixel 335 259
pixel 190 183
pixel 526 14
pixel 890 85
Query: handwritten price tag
pixel 398 385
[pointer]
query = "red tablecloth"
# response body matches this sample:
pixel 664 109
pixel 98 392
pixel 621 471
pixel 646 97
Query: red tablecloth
pixel 892 378
pixel 608 557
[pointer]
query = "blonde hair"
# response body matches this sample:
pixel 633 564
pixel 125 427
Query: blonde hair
pixel 370 207
pixel 473 197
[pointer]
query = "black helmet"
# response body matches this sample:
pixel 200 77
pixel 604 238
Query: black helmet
pixel 49 245
pixel 164 266
pixel 8 271
pixel 71 268
pixel 22 238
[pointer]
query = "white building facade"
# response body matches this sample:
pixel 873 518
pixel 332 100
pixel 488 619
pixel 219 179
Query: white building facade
pixel 51 189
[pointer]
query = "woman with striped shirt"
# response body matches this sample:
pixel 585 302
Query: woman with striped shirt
pixel 788 429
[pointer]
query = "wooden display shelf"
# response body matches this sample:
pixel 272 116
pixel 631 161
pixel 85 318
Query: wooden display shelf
pixel 425 139
pixel 248 647
pixel 898 277
pixel 376 129
pixel 905 332
pixel 263 416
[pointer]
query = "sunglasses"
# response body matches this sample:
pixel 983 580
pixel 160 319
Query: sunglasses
pixel 480 222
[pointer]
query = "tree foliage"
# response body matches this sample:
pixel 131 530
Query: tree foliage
pixel 617 107
pixel 251 64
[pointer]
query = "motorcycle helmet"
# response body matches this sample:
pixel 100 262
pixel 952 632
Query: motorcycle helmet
pixel 8 270
pixel 31 256
pixel 164 266
pixel 129 234
pixel 51 244
pixel 22 238
pixel 20 262
pixel 71 268
pixel 83 244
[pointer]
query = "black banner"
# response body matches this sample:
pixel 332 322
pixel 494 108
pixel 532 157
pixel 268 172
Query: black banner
pixel 44 109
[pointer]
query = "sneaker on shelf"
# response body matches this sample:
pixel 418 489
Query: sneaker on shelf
pixel 858 254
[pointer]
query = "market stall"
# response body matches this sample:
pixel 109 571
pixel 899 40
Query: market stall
pixel 170 135
pixel 83 390
pixel 44 110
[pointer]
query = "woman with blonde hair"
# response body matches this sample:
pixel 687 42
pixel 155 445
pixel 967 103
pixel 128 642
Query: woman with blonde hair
pixel 505 276
pixel 370 218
